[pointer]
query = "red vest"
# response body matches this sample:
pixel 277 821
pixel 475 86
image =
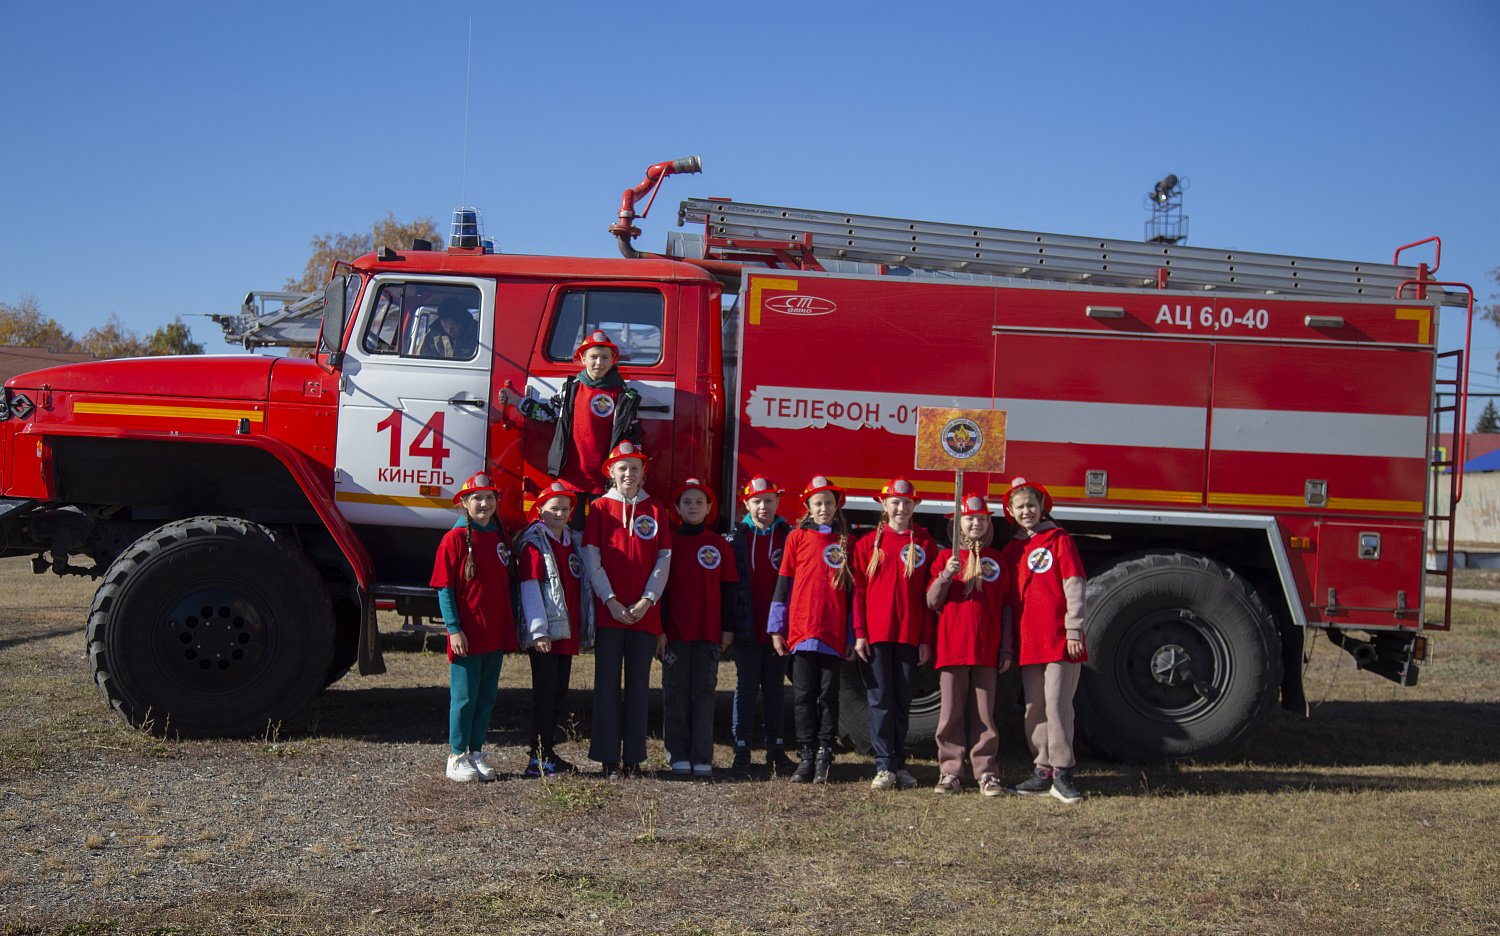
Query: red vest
pixel 815 608
pixel 593 422
pixel 969 629
pixel 892 606
pixel 700 563
pixel 1038 566
pixel 484 611
pixel 628 555
pixel 765 553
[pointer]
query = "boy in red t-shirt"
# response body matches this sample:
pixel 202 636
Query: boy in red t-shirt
pixel 594 411
pixel 1046 598
pixel 700 600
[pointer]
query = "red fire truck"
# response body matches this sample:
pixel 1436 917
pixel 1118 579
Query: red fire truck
pixel 1239 441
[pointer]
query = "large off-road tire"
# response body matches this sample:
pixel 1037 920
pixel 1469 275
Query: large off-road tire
pixel 1184 660
pixel 210 626
pixel 926 704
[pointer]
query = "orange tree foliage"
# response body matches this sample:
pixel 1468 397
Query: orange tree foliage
pixel 330 248
pixel 24 325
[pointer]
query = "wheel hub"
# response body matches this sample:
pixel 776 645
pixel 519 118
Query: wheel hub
pixel 1171 665
pixel 212 638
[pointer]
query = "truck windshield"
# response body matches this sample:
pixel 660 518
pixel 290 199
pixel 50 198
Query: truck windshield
pixel 631 317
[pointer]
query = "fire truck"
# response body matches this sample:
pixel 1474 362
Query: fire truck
pixel 1239 442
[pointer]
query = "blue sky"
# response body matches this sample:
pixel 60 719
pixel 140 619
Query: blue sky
pixel 163 159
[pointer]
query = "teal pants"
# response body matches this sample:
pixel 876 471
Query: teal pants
pixel 473 683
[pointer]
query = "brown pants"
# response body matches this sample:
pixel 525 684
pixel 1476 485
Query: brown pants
pixel 1049 711
pixel 966 722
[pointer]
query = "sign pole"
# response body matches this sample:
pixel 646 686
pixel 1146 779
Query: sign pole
pixel 958 506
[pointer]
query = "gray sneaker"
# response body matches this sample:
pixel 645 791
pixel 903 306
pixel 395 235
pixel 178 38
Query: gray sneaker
pixel 1063 788
pixel 1039 782
pixel 905 780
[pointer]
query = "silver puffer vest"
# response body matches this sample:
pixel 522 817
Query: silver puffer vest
pixel 553 600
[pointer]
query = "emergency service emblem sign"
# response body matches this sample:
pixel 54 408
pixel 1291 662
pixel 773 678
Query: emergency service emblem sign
pixel 575 566
pixel 833 556
pixel 989 568
pixel 960 439
pixel 1039 560
pixel 603 405
pixel 709 557
pixel 776 558
pixel 919 560
pixel 645 527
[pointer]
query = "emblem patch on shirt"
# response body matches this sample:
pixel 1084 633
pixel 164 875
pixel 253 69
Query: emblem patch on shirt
pixel 709 557
pixel 1040 560
pixel 989 568
pixel 603 405
pixel 921 557
pixel 833 556
pixel 575 566
pixel 503 552
pixel 645 527
pixel 776 558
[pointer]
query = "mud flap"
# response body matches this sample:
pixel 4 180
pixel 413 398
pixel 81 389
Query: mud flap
pixel 371 660
pixel 1292 638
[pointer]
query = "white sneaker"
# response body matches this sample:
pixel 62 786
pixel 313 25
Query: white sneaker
pixel 461 768
pixel 905 780
pixel 481 762
pixel 884 780
pixel 703 770
pixel 681 767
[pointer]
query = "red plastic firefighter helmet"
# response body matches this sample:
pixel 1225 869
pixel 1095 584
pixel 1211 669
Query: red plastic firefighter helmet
pixel 555 489
pixel 973 505
pixel 898 487
pixel 693 484
pixel 1017 484
pixel 821 483
pixel 624 450
pixel 760 486
pixel 596 339
pixel 479 482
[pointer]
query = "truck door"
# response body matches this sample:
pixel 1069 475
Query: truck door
pixel 412 411
pixel 642 321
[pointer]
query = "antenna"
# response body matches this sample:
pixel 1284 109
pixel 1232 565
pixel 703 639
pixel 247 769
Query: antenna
pixel 468 70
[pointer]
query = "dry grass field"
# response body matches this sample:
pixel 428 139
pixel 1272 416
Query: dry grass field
pixel 1377 814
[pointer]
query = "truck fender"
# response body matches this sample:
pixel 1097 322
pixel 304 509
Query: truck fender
pixel 371 660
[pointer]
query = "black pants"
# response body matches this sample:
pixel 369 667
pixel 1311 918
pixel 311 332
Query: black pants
pixel 549 697
pixel 815 695
pixel 622 686
pixel 888 678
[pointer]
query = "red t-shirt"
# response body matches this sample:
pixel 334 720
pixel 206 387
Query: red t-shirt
pixel 764 551
pixel 484 612
pixel 892 606
pixel 593 424
pixel 628 555
pixel 815 608
pixel 570 568
pixel 1038 566
pixel 701 562
pixel 969 628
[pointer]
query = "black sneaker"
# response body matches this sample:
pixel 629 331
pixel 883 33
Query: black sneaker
pixel 780 764
pixel 741 765
pixel 825 761
pixel 1063 788
pixel 804 771
pixel 553 765
pixel 610 771
pixel 631 770
pixel 1039 782
pixel 533 767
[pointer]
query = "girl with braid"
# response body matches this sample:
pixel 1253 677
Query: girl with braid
pixel 811 619
pixel 472 576
pixel 973 643
pixel 890 620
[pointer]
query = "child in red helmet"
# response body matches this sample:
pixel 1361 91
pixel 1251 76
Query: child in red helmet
pixel 557 618
pixel 594 412
pixel 698 618
pixel 973 643
pixel 627 551
pixel 811 618
pixel 759 670
pixel 1047 601
pixel 890 617
pixel 472 576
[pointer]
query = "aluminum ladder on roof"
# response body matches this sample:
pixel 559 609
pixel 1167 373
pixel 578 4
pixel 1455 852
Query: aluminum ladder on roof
pixel 296 323
pixel 735 230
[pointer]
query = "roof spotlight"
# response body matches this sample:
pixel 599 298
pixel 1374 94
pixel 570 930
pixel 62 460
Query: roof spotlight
pixel 1163 189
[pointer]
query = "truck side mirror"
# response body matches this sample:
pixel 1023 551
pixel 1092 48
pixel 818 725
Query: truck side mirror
pixel 333 320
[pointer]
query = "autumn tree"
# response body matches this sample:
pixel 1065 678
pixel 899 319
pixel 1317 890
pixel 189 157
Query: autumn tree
pixel 24 325
pixel 113 340
pixel 173 339
pixel 331 248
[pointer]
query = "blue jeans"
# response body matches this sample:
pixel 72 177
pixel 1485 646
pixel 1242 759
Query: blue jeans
pixel 888 678
pixel 758 672
pixel 473 683
pixel 689 677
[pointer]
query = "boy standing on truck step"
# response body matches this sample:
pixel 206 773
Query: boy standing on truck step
pixel 759 669
pixel 594 412
pixel 697 613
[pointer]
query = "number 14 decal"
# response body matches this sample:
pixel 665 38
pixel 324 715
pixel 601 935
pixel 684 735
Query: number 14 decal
pixel 433 428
